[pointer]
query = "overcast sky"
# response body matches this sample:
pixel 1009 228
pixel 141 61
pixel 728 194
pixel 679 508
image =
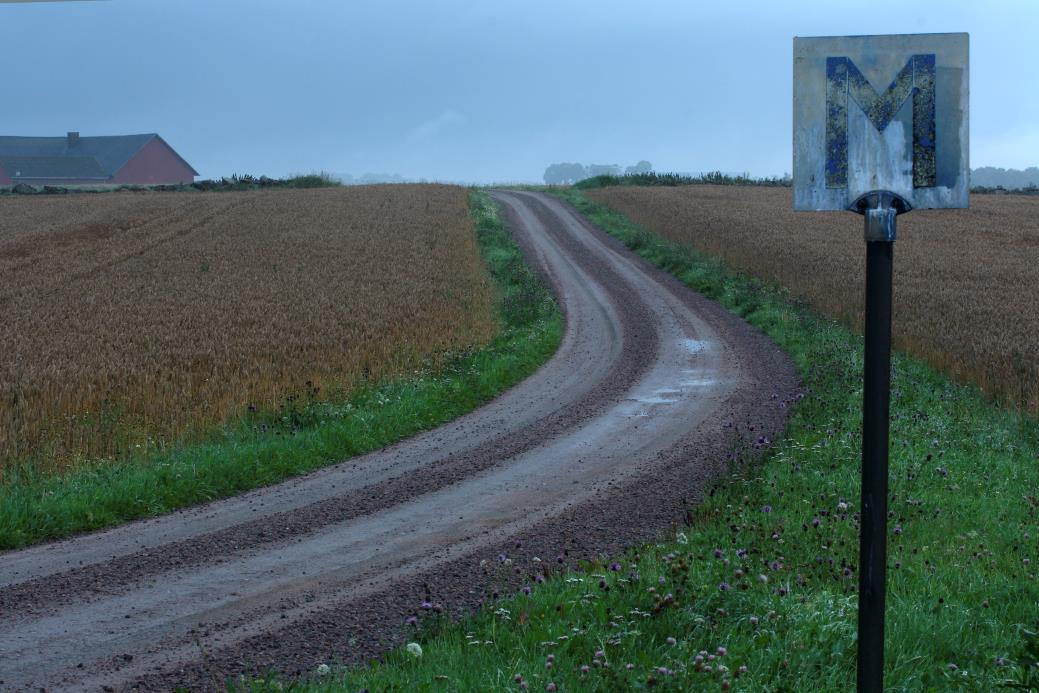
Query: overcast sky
pixel 475 90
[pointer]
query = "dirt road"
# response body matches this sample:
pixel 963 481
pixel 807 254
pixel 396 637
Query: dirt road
pixel 606 445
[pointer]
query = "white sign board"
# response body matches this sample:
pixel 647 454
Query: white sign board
pixel 881 113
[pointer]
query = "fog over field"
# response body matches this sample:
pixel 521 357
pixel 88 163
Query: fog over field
pixel 461 90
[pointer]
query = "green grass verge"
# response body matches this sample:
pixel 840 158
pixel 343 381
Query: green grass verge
pixel 304 435
pixel 760 594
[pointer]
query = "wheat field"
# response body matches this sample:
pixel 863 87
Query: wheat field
pixel 136 318
pixel 966 287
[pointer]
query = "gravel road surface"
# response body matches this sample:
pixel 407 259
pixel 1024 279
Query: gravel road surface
pixel 612 442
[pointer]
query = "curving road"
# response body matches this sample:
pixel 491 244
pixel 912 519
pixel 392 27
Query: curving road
pixel 608 444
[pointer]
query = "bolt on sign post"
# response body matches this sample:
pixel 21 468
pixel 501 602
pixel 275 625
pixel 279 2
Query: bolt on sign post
pixel 880 128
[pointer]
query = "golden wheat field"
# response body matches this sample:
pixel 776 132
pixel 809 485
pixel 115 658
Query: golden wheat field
pixel 134 317
pixel 966 281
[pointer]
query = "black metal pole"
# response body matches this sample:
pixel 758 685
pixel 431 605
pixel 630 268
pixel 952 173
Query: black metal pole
pixel 875 411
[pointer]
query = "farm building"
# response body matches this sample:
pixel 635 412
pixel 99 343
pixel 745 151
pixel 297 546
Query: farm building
pixel 74 160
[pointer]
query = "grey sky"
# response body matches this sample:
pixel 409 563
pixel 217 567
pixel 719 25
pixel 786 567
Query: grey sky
pixel 491 90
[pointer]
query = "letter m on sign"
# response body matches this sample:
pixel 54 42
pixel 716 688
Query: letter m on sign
pixel 844 83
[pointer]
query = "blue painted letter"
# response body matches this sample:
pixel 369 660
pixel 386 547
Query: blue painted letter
pixel 844 78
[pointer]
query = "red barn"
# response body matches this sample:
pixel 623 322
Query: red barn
pixel 75 160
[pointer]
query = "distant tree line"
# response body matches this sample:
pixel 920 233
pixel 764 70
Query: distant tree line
pixel 677 179
pixel 237 182
pixel 983 180
pixel 371 178
pixel 1008 178
pixel 568 174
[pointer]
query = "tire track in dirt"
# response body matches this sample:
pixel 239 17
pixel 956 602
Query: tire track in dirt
pixel 169 217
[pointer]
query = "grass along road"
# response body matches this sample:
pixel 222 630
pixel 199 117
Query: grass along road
pixel 759 594
pixel 309 433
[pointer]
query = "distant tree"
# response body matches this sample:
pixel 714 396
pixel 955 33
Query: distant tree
pixel 372 178
pixel 603 170
pixel 565 174
pixel 991 177
pixel 641 167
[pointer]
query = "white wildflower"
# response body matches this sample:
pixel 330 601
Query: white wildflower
pixel 414 649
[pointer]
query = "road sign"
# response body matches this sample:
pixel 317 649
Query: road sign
pixel 879 153
pixel 881 113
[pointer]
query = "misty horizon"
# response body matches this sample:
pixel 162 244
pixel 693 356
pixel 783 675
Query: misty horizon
pixel 472 93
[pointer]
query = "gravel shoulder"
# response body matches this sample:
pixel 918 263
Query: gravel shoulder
pixel 610 443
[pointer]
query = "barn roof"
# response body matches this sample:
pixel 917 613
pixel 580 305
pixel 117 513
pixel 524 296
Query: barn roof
pixel 70 158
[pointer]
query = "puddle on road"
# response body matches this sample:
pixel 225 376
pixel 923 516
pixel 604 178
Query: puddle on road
pixel 694 346
pixel 654 400
pixel 692 379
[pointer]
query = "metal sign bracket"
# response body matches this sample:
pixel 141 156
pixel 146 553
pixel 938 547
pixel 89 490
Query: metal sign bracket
pixel 880 207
